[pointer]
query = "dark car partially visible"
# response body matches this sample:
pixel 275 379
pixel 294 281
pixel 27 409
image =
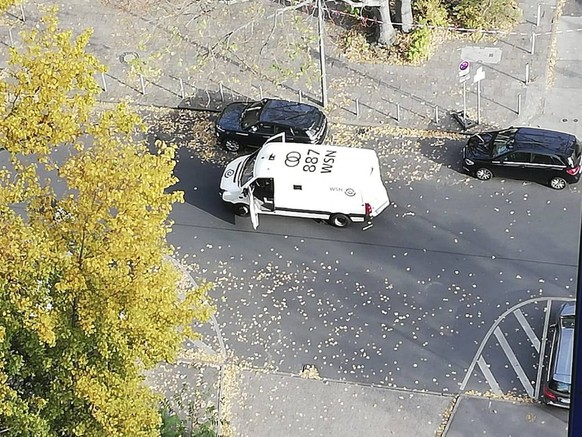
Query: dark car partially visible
pixel 252 124
pixel 540 155
pixel 559 372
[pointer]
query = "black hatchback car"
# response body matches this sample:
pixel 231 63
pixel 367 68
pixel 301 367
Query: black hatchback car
pixel 251 124
pixel 538 155
pixel 559 371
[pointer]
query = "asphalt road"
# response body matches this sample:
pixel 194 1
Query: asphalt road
pixel 426 299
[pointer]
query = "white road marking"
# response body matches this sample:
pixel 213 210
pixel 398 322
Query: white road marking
pixel 203 346
pixel 543 350
pixel 514 361
pixel 489 333
pixel 489 376
pixel 527 328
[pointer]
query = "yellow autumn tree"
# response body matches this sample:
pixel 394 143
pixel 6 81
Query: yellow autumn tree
pixel 88 299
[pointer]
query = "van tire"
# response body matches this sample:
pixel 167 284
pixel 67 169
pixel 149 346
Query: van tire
pixel 231 145
pixel 241 210
pixel 340 220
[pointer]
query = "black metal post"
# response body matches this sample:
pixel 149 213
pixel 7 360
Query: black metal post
pixel 575 420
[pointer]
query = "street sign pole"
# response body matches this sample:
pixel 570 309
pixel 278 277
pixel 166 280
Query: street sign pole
pixel 479 76
pixel 479 102
pixel 464 101
pixel 464 69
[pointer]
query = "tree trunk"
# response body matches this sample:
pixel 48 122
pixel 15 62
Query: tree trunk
pixel 404 14
pixel 386 30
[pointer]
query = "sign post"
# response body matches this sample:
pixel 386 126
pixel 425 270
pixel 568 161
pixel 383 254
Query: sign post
pixel 464 70
pixel 477 78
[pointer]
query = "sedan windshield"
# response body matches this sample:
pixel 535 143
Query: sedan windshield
pixel 250 115
pixel 503 142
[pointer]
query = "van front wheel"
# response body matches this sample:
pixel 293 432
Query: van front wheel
pixel 241 210
pixel 339 220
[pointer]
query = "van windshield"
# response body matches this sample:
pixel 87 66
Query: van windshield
pixel 248 166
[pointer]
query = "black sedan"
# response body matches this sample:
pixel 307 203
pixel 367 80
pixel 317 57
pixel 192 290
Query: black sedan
pixel 541 155
pixel 251 124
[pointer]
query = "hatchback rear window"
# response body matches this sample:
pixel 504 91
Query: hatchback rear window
pixel 562 387
pixel 574 159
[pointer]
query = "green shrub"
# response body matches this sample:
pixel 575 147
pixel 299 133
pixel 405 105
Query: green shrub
pixel 419 45
pixel 432 12
pixel 485 14
pixel 172 425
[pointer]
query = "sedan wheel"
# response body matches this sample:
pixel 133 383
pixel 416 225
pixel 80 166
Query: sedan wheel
pixel 558 183
pixel 483 174
pixel 339 220
pixel 232 145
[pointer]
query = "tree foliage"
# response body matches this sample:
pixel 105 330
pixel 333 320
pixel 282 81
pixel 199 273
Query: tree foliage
pixel 88 299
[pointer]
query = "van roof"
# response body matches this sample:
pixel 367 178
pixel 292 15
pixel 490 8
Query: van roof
pixel 307 160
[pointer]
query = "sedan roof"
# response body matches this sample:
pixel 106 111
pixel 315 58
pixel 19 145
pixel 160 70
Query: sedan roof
pixel 533 139
pixel 287 113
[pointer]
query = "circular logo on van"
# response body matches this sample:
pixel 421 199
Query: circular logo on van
pixel 350 192
pixel 228 173
pixel 292 159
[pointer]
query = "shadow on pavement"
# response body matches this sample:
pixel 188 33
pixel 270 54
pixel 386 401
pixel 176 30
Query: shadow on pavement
pixel 446 152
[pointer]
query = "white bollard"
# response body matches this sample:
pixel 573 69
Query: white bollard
pixel 533 43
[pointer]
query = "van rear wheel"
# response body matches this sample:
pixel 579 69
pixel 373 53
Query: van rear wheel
pixel 339 220
pixel 241 210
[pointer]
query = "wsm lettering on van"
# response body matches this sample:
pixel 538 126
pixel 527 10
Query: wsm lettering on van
pixel 350 192
pixel 328 161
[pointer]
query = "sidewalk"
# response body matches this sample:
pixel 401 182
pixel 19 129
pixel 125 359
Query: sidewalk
pixel 272 404
pixel 170 51
pixel 257 403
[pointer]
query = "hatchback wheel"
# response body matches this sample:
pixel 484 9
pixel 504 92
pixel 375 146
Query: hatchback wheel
pixel 241 209
pixel 231 145
pixel 483 174
pixel 558 183
pixel 339 220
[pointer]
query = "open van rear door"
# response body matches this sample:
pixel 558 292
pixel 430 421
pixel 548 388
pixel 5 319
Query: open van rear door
pixel 253 209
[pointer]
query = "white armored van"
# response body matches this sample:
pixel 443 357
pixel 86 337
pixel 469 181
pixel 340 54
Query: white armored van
pixel 337 184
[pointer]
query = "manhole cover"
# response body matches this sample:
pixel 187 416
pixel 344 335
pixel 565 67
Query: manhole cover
pixel 128 57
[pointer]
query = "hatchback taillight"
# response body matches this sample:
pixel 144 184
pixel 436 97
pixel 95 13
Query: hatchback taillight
pixel 573 171
pixel 368 209
pixel 548 394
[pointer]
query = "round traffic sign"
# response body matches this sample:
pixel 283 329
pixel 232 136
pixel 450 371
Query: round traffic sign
pixel 464 65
